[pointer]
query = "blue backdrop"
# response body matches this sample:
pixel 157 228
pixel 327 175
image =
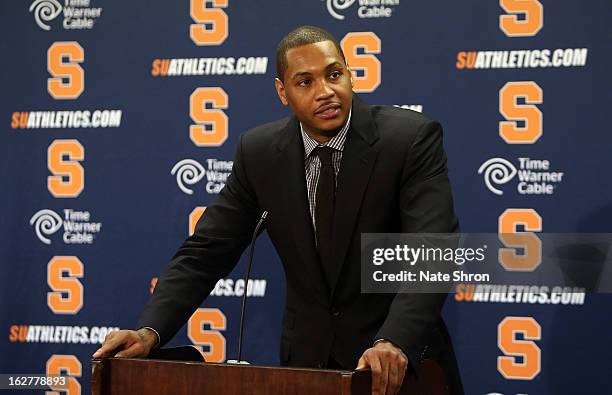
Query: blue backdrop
pixel 120 121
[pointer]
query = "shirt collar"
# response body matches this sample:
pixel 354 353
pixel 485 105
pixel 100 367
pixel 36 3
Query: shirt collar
pixel 337 142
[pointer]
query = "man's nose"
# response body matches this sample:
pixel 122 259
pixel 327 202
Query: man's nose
pixel 324 91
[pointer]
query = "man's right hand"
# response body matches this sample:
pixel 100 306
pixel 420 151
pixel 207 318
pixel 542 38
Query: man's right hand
pixel 131 344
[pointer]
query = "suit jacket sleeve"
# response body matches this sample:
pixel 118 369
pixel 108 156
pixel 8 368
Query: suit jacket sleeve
pixel 220 237
pixel 426 207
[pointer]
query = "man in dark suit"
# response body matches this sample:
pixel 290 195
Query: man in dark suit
pixel 336 169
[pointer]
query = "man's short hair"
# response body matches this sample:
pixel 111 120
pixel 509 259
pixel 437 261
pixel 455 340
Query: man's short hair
pixel 298 37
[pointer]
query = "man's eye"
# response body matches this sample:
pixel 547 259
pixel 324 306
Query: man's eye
pixel 335 74
pixel 304 83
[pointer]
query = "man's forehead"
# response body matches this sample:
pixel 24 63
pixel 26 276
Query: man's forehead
pixel 312 57
pixel 324 51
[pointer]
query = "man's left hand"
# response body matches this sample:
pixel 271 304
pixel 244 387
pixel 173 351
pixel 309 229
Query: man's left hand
pixel 388 364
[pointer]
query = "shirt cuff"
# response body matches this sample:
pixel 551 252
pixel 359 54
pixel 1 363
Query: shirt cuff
pixel 156 335
pixel 402 351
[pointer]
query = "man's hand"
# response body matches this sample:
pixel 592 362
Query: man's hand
pixel 388 364
pixel 132 344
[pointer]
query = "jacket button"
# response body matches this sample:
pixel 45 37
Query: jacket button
pixel 335 313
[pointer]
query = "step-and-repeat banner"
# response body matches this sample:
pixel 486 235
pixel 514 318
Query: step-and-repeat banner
pixel 118 127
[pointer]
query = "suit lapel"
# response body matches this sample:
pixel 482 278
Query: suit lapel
pixel 356 166
pixel 295 202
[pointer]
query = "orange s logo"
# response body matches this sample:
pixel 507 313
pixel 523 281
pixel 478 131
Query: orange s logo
pixel 65 364
pixel 69 169
pixel 365 66
pixel 530 25
pixel 512 347
pixel 204 15
pixel 70 71
pixel 65 285
pixel 528 241
pixel 212 337
pixel 194 217
pixel 513 112
pixel 214 119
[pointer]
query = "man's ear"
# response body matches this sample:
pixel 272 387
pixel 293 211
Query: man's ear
pixel 280 91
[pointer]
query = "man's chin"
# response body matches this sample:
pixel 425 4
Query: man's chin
pixel 332 125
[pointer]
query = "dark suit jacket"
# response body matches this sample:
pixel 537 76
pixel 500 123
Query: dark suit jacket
pixel 393 178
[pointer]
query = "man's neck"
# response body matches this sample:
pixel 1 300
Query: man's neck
pixel 322 137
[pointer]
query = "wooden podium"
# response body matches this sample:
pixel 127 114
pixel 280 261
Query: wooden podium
pixel 120 376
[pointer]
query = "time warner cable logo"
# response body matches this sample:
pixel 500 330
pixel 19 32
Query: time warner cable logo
pixel 78 14
pixel 367 8
pixel 534 175
pixel 189 172
pixel 45 11
pixel 46 222
pixel 78 229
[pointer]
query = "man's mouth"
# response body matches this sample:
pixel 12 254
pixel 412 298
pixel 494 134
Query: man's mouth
pixel 328 111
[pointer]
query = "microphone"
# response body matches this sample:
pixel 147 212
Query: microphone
pixel 246 283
